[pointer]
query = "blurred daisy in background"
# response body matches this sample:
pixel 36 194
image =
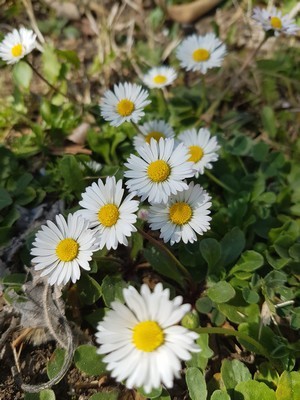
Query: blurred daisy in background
pixel 107 211
pixel 274 20
pixel 17 44
pixel 159 171
pixel 124 104
pixel 142 341
pixel 61 249
pixel 159 77
pixel 200 53
pixel 185 215
pixel 202 148
pixel 155 129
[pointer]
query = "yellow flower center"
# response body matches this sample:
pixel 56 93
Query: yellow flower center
pixel 180 213
pixel 16 51
pixel 147 336
pixel 196 153
pixel 158 171
pixel 276 23
pixel 155 135
pixel 108 215
pixel 159 79
pixel 67 249
pixel 201 55
pixel 125 107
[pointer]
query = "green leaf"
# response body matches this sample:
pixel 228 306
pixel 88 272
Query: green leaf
pixel 14 279
pixel 204 305
pixel 88 361
pixel 294 251
pixel 55 363
pixel 288 386
pixel 70 56
pixel 164 395
pixel 220 395
pixel 234 372
pixel 237 313
pixel 22 183
pixel 22 74
pixel 154 394
pixel 5 199
pixel 112 289
pixel 211 251
pixel 267 373
pixel 250 296
pixel 89 289
pixel 45 394
pixel 232 245
pixel 196 384
pixel 249 262
pixel 95 317
pixel 221 292
pixel 275 279
pixel 200 360
pixel 260 151
pixel 51 65
pixel 112 395
pixel 163 264
pixel 253 390
pixel 72 174
pixel 268 120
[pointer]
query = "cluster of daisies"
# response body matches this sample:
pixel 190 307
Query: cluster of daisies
pixel 142 341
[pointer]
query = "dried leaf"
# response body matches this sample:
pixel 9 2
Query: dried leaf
pixel 190 12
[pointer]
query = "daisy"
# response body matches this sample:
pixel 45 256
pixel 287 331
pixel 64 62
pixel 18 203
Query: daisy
pixel 202 148
pixel 274 20
pixel 184 215
pixel 159 77
pixel 61 249
pixel 142 341
pixel 200 53
pixel 17 44
pixel 125 103
pixel 159 171
pixel 155 129
pixel 112 217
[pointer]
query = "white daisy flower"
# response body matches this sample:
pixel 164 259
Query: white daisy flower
pixel 185 214
pixel 124 104
pixel 274 20
pixel 143 343
pixel 112 217
pixel 155 129
pixel 159 77
pixel 17 44
pixel 200 53
pixel 63 248
pixel 159 171
pixel 202 148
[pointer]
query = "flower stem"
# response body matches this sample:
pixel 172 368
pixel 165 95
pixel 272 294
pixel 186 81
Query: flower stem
pixel 252 56
pixel 137 128
pixel 47 82
pixel 160 246
pixel 240 335
pixel 218 182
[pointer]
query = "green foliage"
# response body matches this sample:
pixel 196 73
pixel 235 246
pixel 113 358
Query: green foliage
pixel 112 395
pixel 55 363
pixel 45 394
pixel 288 386
pixel 221 292
pixel 196 384
pixel 88 361
pixel 252 390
